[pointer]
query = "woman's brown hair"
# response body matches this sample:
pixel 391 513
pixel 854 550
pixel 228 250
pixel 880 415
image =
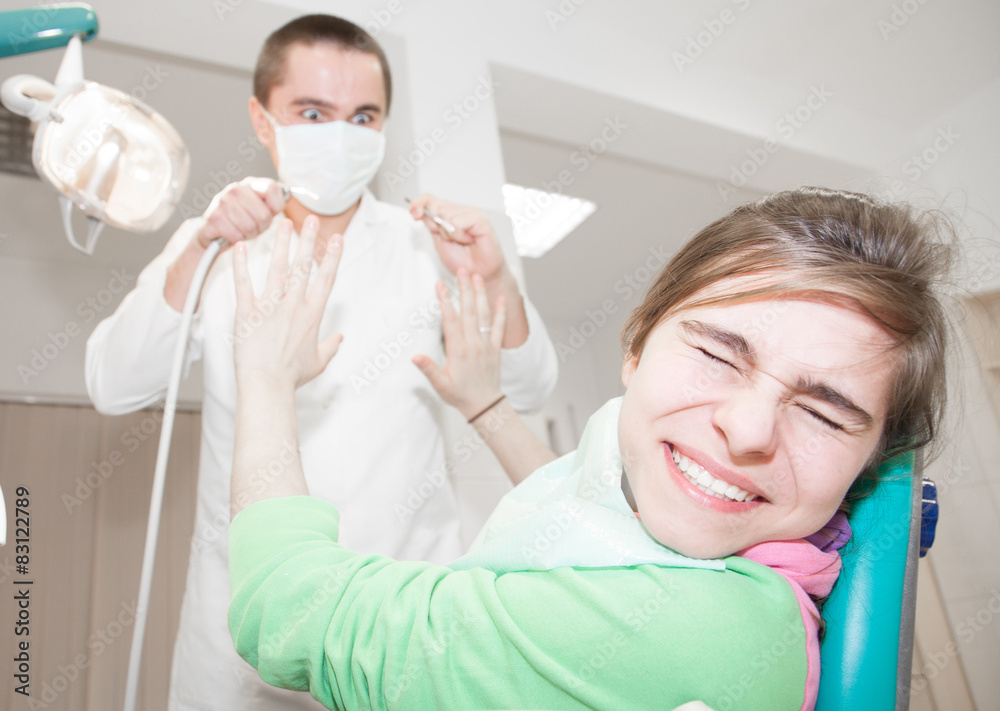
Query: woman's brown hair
pixel 882 257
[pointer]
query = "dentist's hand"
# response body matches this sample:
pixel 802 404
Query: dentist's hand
pixel 276 335
pixel 241 211
pixel 473 245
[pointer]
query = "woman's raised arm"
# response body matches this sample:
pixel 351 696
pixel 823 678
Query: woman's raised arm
pixel 469 379
pixel 277 349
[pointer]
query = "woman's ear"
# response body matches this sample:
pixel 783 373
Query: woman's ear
pixel 628 368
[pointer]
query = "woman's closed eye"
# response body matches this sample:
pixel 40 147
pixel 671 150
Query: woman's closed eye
pixel 825 420
pixel 714 358
pixel 815 414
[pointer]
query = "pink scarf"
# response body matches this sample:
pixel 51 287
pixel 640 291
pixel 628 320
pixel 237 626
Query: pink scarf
pixel 810 571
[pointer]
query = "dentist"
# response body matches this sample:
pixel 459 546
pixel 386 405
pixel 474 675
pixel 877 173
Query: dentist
pixel 370 437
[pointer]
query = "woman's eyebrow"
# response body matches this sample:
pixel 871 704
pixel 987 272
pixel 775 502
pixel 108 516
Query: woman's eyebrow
pixel 730 339
pixel 741 347
pixel 822 391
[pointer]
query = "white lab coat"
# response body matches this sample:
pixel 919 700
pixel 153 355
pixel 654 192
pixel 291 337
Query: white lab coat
pixel 370 425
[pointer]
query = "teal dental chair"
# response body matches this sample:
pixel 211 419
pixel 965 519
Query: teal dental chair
pixel 867 650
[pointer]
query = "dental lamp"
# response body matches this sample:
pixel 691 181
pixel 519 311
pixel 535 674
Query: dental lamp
pixel 120 163
pixel 105 152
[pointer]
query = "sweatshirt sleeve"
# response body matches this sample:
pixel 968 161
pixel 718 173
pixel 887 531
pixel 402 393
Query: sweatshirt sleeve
pixel 363 631
pixel 528 373
pixel 130 353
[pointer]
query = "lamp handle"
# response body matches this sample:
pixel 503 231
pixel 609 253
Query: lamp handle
pixel 94 227
pixel 28 95
pixel 38 28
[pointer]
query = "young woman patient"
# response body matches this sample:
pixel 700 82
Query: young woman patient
pixel 782 355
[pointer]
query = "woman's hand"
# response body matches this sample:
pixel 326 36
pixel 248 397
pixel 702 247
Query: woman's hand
pixel 469 380
pixel 276 335
pixel 471 375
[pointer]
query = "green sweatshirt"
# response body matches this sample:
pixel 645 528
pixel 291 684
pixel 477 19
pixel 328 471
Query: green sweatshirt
pixel 367 632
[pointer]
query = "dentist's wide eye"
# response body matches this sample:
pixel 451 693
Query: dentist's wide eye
pixel 361 119
pixel 312 115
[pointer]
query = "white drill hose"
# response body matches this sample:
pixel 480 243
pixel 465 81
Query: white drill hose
pixel 160 474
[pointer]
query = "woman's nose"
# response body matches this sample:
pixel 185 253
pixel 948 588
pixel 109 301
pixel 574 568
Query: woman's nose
pixel 746 417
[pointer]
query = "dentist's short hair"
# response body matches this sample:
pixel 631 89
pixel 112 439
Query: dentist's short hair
pixel 309 30
pixel 883 258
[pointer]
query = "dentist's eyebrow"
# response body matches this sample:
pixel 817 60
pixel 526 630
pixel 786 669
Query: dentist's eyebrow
pixel 369 108
pixel 309 101
pixel 825 393
pixel 729 339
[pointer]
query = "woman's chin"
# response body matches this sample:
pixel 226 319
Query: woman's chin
pixel 700 549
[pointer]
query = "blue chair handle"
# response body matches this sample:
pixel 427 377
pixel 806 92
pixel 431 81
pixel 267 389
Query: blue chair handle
pixel 928 516
pixel 38 28
pixel 867 648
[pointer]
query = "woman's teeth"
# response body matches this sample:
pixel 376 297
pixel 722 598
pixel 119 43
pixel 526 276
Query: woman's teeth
pixel 696 474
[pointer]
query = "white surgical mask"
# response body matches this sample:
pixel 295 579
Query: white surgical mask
pixel 334 161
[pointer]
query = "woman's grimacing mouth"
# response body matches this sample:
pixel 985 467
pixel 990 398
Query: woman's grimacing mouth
pixel 711 484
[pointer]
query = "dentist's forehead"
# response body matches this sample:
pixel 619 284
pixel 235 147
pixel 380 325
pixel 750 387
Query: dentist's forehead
pixel 327 76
